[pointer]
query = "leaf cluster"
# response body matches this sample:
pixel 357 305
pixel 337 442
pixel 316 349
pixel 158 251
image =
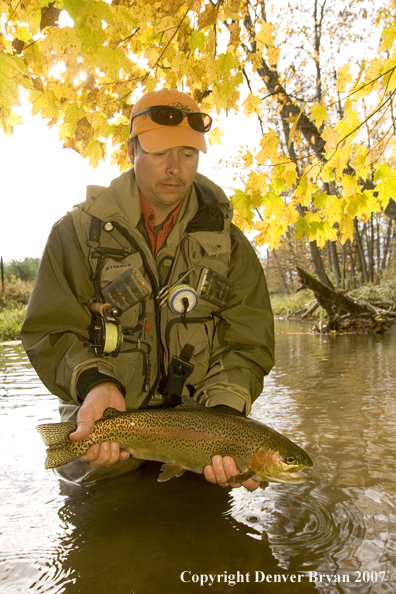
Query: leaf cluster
pixel 324 137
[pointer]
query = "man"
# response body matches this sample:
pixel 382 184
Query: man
pixel 185 286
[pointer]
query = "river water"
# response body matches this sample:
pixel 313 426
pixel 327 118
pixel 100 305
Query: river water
pixel 333 395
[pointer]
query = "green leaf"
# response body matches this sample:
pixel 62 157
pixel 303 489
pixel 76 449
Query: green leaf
pixel 227 62
pixel 196 41
pixel 302 228
pixel 321 232
pixel 385 177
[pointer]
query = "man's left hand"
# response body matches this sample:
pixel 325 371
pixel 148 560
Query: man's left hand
pixel 223 469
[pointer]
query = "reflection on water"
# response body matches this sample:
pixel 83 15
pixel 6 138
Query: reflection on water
pixel 334 396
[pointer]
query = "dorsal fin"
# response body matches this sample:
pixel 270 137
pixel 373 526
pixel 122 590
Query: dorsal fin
pixel 111 412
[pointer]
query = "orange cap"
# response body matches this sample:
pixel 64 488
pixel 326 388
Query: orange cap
pixel 154 137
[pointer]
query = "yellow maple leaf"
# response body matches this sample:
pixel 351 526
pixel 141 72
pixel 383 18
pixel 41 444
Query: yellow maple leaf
pixel 374 69
pixel 269 145
pixel 349 185
pixel 242 222
pixel 362 205
pixel 247 159
pixel 215 135
pixel 286 172
pixel 270 232
pixel 340 160
pixel 265 37
pixel 256 182
pixel 327 173
pixel 345 226
pixel 273 54
pixel 393 141
pixel 95 151
pixel 319 113
pixel 332 210
pixel 349 125
pixel 304 191
pixel 14 119
pixel 360 161
pixel 388 81
pixel 331 138
pixel 251 105
pixel 344 78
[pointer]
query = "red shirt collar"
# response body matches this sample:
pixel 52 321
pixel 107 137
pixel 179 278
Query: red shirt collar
pixel 150 222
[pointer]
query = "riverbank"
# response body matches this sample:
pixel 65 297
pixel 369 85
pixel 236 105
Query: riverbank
pixel 303 305
pixel 13 302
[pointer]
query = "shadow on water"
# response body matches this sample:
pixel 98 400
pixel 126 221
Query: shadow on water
pixel 135 535
pixel 334 396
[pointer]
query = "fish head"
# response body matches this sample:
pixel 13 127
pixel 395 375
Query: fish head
pixel 280 466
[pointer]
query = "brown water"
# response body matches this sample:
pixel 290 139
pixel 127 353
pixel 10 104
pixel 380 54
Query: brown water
pixel 335 396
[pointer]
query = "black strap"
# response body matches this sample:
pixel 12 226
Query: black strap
pixel 95 229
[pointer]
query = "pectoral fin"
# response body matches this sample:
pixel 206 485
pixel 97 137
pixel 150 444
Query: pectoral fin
pixel 170 470
pixel 241 478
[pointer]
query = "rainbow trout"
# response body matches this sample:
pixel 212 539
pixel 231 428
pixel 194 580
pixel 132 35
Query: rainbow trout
pixel 185 438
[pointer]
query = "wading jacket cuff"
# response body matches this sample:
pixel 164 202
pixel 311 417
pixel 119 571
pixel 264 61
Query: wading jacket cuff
pixel 228 409
pixel 91 378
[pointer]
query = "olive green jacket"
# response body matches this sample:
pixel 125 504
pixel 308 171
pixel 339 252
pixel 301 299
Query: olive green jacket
pixel 233 345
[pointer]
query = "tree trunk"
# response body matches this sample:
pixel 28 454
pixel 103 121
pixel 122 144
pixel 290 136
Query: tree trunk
pixel 387 244
pixel 360 252
pixel 318 264
pixel 335 265
pixel 281 273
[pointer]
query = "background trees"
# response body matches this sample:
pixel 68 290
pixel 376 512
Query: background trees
pixel 318 75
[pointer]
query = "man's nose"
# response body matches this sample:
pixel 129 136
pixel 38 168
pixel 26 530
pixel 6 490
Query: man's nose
pixel 173 163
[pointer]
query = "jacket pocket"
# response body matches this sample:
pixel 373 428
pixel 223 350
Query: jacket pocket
pixel 199 334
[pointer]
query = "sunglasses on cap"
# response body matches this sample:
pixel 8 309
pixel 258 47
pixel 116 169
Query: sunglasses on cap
pixel 167 115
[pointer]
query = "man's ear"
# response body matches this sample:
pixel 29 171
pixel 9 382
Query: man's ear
pixel 131 152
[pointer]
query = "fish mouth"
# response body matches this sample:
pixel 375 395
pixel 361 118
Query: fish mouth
pixel 292 479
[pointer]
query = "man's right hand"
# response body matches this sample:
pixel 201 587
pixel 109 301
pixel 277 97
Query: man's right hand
pixel 102 396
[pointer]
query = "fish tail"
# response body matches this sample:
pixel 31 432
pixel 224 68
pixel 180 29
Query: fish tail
pixel 59 456
pixel 55 434
pixel 56 438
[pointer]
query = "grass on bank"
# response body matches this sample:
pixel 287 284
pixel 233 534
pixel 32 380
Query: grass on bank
pixel 16 294
pixel 290 305
pixel 13 302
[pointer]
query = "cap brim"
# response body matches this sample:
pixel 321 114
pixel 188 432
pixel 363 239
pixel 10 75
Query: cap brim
pixel 167 137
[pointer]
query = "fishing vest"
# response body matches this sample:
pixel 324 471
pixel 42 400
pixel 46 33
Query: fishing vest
pixel 157 325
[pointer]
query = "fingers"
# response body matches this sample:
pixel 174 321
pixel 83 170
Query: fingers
pixel 102 396
pixel 86 418
pixel 104 454
pixel 222 470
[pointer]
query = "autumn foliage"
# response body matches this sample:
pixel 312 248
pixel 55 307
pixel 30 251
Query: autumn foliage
pixel 328 148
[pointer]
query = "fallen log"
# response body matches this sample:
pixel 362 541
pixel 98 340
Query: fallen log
pixel 347 314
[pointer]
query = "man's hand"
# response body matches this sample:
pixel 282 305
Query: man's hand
pixel 102 396
pixel 223 469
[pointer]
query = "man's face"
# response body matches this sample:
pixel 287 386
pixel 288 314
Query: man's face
pixel 164 177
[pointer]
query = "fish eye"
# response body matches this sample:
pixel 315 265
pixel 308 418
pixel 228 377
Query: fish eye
pixel 290 460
